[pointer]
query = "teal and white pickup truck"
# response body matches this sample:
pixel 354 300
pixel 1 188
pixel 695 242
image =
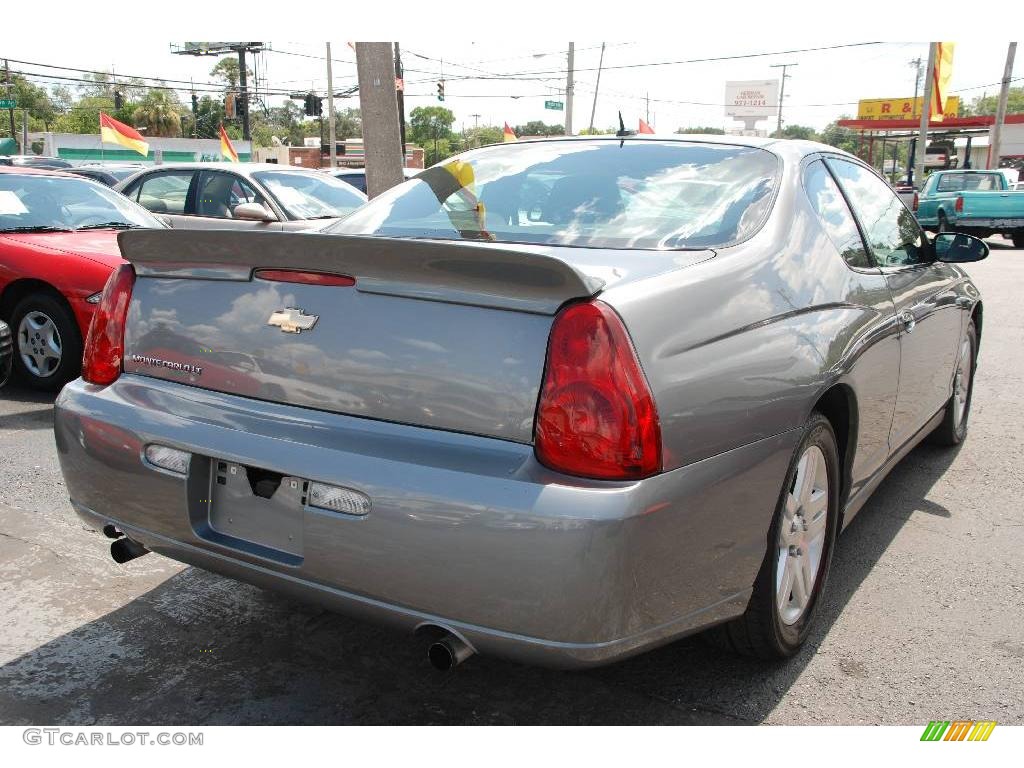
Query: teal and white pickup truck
pixel 979 203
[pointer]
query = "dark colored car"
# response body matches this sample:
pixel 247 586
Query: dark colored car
pixel 109 174
pixel 357 176
pixel 34 161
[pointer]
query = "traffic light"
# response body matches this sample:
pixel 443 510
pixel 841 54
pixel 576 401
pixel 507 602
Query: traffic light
pixel 195 103
pixel 440 90
pixel 118 100
pixel 314 105
pixel 230 104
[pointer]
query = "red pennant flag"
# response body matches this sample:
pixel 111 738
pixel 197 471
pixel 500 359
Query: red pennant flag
pixel 644 127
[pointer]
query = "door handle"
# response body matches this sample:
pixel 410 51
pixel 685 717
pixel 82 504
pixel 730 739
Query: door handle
pixel 907 318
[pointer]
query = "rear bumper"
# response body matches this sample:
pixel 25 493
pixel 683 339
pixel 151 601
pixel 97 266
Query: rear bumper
pixel 467 533
pixel 989 223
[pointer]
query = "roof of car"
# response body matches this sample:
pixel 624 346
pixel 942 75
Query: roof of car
pixel 28 170
pixel 242 168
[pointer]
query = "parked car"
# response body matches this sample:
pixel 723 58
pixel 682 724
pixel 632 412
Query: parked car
pixel 58 246
pixel 593 394
pixel 357 176
pixel 6 352
pixel 110 174
pixel 979 203
pixel 34 161
pixel 259 196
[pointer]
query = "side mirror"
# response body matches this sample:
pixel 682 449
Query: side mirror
pixel 253 212
pixel 956 248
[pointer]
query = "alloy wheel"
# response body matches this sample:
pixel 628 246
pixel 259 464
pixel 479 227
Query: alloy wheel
pixel 802 536
pixel 962 384
pixel 39 344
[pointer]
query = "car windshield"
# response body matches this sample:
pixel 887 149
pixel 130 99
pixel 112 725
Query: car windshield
pixel 55 203
pixel 310 195
pixel 596 193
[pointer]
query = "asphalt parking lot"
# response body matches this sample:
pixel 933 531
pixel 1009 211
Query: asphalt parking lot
pixel 922 619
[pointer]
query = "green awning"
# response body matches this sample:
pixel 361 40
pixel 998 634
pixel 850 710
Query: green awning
pixel 8 146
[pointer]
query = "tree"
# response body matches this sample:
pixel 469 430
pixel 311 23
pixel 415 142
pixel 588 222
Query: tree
pixel 539 128
pixel 227 69
pixel 429 123
pixel 799 132
pixel 159 113
pixel 210 115
pixel 986 105
pixel 702 129
pixel 841 138
pixel 485 134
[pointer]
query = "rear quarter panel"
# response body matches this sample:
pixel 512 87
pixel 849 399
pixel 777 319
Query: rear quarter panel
pixel 739 348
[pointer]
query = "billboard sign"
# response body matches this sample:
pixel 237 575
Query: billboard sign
pixel 751 98
pixel 900 109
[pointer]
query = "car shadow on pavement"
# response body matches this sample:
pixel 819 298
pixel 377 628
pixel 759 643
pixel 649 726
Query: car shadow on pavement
pixel 38 410
pixel 202 649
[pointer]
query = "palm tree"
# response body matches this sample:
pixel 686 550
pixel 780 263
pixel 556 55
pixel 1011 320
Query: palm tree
pixel 159 113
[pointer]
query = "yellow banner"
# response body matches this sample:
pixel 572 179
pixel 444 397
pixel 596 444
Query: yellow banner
pixel 900 109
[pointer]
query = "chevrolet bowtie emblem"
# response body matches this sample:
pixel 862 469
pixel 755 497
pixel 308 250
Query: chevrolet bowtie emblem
pixel 293 320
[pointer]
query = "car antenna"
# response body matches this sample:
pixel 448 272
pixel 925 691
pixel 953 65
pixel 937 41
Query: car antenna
pixel 622 133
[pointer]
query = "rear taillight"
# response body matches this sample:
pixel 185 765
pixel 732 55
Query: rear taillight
pixel 596 416
pixel 104 347
pixel 959 207
pixel 916 201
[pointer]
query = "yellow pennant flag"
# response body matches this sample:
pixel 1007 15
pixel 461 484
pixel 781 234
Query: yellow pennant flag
pixel 940 81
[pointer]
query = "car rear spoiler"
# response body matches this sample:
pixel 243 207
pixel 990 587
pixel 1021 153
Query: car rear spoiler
pixel 480 274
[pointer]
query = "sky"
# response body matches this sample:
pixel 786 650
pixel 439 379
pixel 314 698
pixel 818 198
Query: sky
pixel 823 85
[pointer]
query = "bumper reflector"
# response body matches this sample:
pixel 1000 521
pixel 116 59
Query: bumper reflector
pixel 167 458
pixel 335 499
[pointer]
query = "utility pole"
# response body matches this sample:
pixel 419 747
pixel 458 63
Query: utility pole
pixel 7 79
pixel 568 91
pixel 24 132
pixel 1004 93
pixel 244 95
pixel 400 88
pixel 915 62
pixel 647 107
pixel 926 108
pixel 379 106
pixel 782 94
pixel 330 110
pixel 597 87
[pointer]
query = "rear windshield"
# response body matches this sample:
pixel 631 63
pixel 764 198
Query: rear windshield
pixel 958 182
pixel 602 193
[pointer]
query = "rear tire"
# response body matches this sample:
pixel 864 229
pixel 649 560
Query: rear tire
pixel 47 344
pixel 943 224
pixel 801 539
pixel 953 429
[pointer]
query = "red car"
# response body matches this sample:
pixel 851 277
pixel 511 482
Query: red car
pixel 58 245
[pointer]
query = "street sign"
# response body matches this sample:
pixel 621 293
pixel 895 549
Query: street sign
pixel 8 104
pixel 554 105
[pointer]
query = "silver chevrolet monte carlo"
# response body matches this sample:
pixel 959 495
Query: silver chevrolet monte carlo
pixel 560 401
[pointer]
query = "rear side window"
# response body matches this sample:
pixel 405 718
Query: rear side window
pixel 892 233
pixel 834 215
pixel 219 193
pixel 594 193
pixel 164 192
